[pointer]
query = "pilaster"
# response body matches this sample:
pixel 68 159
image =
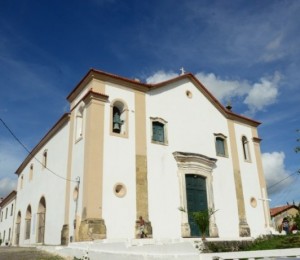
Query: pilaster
pixel 92 225
pixel 141 162
pixel 244 229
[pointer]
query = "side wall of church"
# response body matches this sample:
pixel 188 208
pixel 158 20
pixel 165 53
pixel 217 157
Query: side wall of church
pixel 41 183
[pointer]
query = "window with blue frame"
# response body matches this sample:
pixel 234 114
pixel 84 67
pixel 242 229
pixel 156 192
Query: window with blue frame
pixel 159 130
pixel 221 145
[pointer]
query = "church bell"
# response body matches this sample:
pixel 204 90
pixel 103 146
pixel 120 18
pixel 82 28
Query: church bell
pixel 117 122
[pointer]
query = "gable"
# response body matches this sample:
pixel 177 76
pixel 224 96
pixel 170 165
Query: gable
pixel 103 77
pixel 225 112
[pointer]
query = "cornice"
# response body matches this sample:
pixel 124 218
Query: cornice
pixel 194 160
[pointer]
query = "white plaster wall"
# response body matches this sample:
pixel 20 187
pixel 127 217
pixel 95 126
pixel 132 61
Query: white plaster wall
pixel 48 185
pixel 191 127
pixel 227 218
pixel 119 167
pixel 7 222
pixel 77 171
pixel 250 181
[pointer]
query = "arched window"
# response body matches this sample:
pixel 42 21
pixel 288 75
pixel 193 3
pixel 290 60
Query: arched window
pixel 245 145
pixel 119 118
pixel 18 228
pixel 31 172
pixel 28 222
pixel 45 158
pixel 79 122
pixel 21 182
pixel 41 220
pixel 221 145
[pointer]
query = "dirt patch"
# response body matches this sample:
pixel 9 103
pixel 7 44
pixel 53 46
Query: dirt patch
pixel 26 253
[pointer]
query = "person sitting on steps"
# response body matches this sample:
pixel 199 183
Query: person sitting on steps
pixel 142 229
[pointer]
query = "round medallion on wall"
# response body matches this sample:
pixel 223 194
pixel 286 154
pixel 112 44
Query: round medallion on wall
pixel 253 202
pixel 120 190
pixel 189 94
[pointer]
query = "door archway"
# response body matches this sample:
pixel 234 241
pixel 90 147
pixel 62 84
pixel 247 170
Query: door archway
pixel 18 228
pixel 41 214
pixel 28 222
pixel 196 190
pixel 196 199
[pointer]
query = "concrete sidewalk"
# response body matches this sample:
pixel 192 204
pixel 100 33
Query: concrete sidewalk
pixel 146 249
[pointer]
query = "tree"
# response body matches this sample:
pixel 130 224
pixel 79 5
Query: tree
pixel 296 218
pixel 202 219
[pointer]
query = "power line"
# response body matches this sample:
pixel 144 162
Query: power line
pixel 286 194
pixel 273 185
pixel 32 156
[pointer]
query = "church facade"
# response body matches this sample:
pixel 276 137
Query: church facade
pixel 128 150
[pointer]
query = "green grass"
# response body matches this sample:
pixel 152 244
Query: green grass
pixel 275 242
pixel 262 243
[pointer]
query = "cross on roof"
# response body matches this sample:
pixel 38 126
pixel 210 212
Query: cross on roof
pixel 182 71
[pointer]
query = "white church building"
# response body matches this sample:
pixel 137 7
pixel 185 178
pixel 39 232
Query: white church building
pixel 128 150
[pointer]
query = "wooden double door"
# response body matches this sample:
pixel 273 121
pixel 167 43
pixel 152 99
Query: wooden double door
pixel 196 199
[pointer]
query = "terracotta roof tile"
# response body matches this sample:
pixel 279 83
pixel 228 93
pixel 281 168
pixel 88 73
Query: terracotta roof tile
pixel 278 210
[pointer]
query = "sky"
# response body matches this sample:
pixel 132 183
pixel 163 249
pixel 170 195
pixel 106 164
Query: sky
pixel 244 52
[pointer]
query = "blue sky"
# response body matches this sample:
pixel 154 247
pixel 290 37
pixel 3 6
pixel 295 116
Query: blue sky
pixel 243 51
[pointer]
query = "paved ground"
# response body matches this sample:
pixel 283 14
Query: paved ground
pixel 26 253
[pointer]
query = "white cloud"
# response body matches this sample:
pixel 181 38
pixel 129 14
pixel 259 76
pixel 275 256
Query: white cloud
pixel 161 76
pixel 275 173
pixel 256 96
pixel 7 185
pixel 274 50
pixel 263 93
pixel 222 89
pixel 275 44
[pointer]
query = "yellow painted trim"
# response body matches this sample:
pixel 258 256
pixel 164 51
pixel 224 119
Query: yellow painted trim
pixel 92 84
pixel 237 174
pixel 93 156
pixel 261 177
pixel 141 157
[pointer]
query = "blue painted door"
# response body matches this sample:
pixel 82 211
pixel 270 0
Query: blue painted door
pixel 196 199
